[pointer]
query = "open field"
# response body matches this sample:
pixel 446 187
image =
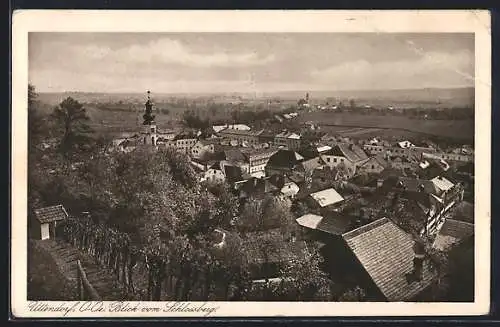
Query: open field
pixel 458 129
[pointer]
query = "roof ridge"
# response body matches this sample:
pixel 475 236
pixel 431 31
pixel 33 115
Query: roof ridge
pixel 358 231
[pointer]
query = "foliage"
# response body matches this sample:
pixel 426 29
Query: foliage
pixel 72 123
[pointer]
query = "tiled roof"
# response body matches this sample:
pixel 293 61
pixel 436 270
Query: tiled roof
pixel 442 183
pixel 285 158
pixel 386 252
pixel 327 197
pixel 240 132
pixel 351 152
pixel 452 231
pixel 50 214
pixel 335 224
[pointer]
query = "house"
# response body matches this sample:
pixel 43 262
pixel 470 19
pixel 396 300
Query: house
pixel 44 225
pixel 239 127
pixel 390 265
pixel 374 164
pixel 257 188
pixel 451 233
pixel 284 162
pixel 323 148
pixel 242 137
pixel 287 187
pixel 352 156
pixel 288 140
pixel 405 144
pixel 202 148
pixel 460 157
pixel 182 143
pixel 435 197
pixel 257 160
pixel 326 198
pixel 223 171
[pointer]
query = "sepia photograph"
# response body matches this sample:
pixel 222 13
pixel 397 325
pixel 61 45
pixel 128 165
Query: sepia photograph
pixel 191 168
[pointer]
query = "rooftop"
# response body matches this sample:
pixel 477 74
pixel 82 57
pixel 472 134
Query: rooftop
pixel 285 158
pixel 442 184
pixel 334 224
pixel 327 197
pixel 386 252
pixel 50 214
pixel 452 232
pixel 352 152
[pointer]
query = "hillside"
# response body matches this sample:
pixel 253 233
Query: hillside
pixel 433 97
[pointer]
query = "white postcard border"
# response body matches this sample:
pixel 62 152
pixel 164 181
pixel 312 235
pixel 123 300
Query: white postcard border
pixel 477 22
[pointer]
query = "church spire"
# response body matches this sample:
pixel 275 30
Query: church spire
pixel 148 115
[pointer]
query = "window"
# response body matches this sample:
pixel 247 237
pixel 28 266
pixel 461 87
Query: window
pixel 373 166
pixel 328 159
pixel 334 159
pixel 341 159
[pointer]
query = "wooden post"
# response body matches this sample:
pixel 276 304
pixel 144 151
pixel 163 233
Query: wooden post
pixel 79 281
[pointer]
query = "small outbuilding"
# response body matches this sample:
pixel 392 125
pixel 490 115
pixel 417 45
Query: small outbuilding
pixel 46 220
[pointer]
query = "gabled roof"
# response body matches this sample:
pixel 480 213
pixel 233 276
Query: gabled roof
pixel 351 152
pixel 386 253
pixel 452 232
pixel 50 214
pixel 378 160
pixel 334 224
pixel 327 197
pixel 285 158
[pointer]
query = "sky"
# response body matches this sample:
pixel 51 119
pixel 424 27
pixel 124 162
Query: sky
pixel 248 62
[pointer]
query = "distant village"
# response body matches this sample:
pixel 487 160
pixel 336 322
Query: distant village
pixel 360 200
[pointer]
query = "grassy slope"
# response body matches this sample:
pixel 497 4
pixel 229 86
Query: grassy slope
pixel 45 280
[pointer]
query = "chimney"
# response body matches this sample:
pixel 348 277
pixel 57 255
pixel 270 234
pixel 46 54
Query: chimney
pixel 418 260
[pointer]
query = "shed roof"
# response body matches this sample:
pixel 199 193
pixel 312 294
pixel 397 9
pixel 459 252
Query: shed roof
pixel 50 214
pixel 327 197
pixel 452 232
pixel 332 224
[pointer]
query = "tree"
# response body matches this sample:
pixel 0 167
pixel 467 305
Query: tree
pixel 305 281
pixel 36 122
pixel 71 117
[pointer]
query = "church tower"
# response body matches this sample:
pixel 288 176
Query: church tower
pixel 149 125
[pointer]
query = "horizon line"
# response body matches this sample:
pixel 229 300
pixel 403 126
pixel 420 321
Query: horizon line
pixel 266 92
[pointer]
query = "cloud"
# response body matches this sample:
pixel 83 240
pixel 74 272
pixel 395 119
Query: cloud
pixel 169 51
pixel 432 69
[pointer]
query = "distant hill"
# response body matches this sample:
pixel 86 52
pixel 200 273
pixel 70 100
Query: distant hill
pixel 441 97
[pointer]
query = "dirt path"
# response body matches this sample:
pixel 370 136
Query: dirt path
pixel 65 256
